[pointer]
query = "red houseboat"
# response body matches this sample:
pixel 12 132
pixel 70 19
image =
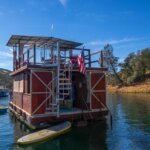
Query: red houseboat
pixel 51 85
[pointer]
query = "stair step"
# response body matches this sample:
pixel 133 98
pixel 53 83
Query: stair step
pixel 62 75
pixel 54 105
pixel 61 99
pixel 63 71
pixel 64 88
pixel 65 79
pixel 64 83
pixel 50 109
pixel 64 93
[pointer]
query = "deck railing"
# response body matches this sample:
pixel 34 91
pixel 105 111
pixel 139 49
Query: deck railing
pixel 47 56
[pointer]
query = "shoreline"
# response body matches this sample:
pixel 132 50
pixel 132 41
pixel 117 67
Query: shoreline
pixel 136 88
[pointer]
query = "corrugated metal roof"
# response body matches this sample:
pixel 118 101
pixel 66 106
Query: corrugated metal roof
pixel 39 41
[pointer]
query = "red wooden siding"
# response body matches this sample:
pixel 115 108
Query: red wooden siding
pixel 95 103
pixel 98 90
pixel 95 77
pixel 37 99
pixel 37 87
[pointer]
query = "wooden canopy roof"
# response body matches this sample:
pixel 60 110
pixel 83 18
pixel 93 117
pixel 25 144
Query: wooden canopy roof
pixel 40 41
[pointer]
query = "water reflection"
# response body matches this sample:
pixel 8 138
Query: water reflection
pixel 131 124
pixel 89 138
pixel 131 129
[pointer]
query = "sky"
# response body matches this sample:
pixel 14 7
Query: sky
pixel 123 23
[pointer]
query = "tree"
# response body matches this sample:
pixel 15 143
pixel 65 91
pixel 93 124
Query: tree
pixel 113 64
pixel 145 58
pixel 5 79
pixel 134 67
pixel 126 68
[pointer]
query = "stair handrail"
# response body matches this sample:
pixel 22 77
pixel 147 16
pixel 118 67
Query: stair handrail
pixel 49 90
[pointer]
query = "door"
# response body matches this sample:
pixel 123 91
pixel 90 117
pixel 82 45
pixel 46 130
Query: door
pixel 98 90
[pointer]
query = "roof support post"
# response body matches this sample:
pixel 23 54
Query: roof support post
pixel 101 52
pixel 14 58
pixel 34 54
pixel 70 53
pixel 28 55
pixel 58 75
pixel 89 58
pixel 21 46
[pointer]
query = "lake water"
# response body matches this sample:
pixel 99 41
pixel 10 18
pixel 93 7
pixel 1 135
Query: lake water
pixel 130 131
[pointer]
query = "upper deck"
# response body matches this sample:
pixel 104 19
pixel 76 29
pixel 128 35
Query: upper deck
pixel 44 52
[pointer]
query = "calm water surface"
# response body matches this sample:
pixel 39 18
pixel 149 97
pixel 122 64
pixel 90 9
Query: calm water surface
pixel 131 129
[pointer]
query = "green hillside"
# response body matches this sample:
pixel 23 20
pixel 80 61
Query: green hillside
pixel 5 79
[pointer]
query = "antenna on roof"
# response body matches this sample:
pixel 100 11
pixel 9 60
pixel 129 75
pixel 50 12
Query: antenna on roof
pixel 52 27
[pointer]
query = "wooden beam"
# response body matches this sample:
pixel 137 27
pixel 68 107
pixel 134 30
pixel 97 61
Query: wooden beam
pixel 94 61
pixel 101 63
pixel 70 53
pixel 28 55
pixel 34 54
pixel 14 58
pixel 74 48
pixel 89 59
pixel 93 53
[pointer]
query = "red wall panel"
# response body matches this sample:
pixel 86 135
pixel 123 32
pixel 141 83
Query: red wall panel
pixel 95 77
pixel 37 99
pixel 98 89
pixel 95 103
pixel 37 85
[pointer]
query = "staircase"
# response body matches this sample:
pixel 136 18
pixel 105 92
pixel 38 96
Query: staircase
pixel 63 86
pixel 64 83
